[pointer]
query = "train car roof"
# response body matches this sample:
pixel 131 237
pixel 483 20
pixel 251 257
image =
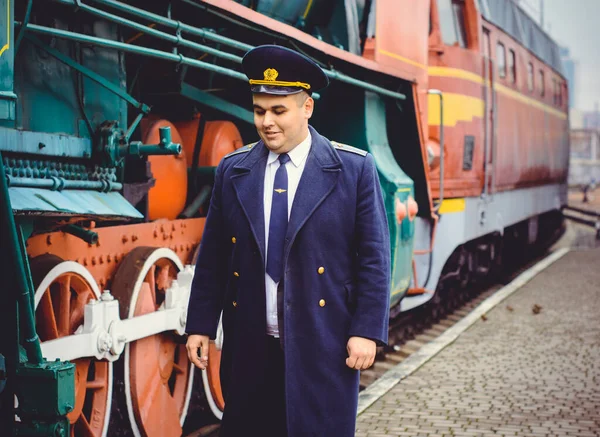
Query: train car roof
pixel 508 16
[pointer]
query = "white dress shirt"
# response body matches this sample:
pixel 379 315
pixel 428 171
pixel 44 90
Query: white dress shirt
pixel 294 169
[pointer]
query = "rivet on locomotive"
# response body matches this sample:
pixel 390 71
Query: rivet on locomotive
pixel 113 117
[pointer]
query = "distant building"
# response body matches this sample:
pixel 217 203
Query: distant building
pixel 584 166
pixel 591 119
pixel 569 66
pixel 575 118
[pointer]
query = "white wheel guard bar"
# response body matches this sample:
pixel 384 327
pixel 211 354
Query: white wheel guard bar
pixel 103 334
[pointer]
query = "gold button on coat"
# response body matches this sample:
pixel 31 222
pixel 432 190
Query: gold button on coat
pixel 321 270
pixel 233 240
pixel 322 303
pixel 234 303
pixel 236 274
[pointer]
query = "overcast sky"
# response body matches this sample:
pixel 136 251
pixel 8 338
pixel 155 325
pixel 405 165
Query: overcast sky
pixel 576 25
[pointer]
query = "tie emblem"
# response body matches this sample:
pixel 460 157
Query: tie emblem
pixel 280 190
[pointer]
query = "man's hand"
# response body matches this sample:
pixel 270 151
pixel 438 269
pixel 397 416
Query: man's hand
pixel 361 353
pixel 198 344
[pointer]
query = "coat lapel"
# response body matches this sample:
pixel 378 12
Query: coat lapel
pixel 318 180
pixel 248 181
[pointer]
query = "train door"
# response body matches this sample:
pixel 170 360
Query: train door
pixel 490 114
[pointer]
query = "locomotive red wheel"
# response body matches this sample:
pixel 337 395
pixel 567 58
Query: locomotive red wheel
pixel 211 378
pixel 63 288
pixel 212 381
pixel 157 374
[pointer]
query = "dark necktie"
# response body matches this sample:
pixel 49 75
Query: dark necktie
pixel 279 221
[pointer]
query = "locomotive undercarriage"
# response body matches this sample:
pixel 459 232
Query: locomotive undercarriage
pixel 127 343
pixel 473 266
pixel 487 258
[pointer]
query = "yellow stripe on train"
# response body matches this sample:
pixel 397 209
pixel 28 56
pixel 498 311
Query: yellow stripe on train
pixel 457 73
pixel 452 205
pixel 457 107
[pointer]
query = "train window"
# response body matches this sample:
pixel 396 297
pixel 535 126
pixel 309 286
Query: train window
pixel 558 99
pixel 512 66
pixel 452 22
pixel 542 84
pixel 560 94
pixel 554 91
pixel 501 59
pixel 530 77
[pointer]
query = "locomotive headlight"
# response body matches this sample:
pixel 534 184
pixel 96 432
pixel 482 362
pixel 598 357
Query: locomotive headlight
pixel 432 149
pixel 413 208
pixel 400 210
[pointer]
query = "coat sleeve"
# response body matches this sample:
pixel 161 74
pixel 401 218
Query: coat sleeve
pixel 372 286
pixel 208 286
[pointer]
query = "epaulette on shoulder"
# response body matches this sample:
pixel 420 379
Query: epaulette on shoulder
pixel 244 149
pixel 347 148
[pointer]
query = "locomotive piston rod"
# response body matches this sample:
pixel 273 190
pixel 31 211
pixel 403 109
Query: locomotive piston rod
pixel 104 335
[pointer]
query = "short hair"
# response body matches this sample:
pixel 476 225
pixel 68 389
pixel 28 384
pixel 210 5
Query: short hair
pixel 301 97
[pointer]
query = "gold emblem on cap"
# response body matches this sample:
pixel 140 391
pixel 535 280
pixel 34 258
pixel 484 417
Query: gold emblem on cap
pixel 270 79
pixel 271 74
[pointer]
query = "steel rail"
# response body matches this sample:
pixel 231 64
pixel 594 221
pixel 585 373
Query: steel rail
pixel 582 210
pixel 591 223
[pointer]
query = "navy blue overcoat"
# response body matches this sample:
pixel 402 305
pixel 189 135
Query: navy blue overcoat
pixel 336 285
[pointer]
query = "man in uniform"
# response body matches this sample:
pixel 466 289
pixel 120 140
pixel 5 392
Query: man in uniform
pixel 296 255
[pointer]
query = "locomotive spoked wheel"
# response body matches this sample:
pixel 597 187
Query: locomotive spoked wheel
pixel 63 288
pixel 154 376
pixel 211 379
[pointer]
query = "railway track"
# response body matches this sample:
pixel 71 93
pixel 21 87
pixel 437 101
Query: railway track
pixel 412 330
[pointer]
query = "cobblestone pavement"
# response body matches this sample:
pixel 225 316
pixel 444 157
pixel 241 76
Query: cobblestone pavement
pixel 516 373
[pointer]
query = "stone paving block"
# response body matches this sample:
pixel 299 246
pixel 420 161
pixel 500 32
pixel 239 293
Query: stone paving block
pixel 518 373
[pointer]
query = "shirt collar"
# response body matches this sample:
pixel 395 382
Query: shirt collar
pixel 297 155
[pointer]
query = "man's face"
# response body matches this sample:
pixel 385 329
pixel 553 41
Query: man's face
pixel 282 121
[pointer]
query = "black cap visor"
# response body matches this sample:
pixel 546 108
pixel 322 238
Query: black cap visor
pixel 277 90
